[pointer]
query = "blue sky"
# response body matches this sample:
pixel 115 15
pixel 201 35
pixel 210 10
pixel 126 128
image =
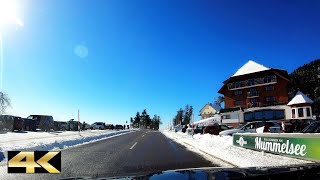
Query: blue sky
pixel 112 58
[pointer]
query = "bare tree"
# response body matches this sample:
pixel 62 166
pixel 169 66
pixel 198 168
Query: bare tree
pixel 4 102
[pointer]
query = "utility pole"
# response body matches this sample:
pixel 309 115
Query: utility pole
pixel 79 121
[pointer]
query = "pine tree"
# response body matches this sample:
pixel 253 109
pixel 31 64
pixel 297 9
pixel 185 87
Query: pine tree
pixel 137 119
pixel 307 80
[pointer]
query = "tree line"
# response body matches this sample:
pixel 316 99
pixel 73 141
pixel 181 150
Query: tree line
pixel 143 120
pixel 307 80
pixel 183 116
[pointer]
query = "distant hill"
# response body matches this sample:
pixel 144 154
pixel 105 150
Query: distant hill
pixel 307 79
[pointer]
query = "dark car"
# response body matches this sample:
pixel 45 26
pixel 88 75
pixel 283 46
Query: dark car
pixel 29 124
pixel 198 129
pixel 215 129
pixel 108 126
pixel 118 127
pixel 11 123
pixel 60 125
pixel 73 125
pixel 312 128
pixel 17 123
pixel 42 122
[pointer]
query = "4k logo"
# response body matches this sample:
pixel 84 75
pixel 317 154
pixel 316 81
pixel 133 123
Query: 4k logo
pixel 34 162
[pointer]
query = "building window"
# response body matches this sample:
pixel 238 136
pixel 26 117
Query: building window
pixel 269 88
pixel 248 116
pixel 254 100
pixel 271 99
pixel 250 82
pixel 293 113
pixel 237 93
pixel 238 103
pixel 300 112
pixel 279 114
pixel 270 79
pixel 237 84
pixel 308 112
pixel 269 114
pixel 258 115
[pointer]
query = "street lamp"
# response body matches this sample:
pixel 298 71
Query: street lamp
pixel 8 15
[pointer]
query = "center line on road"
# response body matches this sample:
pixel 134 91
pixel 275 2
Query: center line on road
pixel 133 145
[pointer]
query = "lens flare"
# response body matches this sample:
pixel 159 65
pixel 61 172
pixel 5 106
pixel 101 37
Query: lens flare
pixel 9 12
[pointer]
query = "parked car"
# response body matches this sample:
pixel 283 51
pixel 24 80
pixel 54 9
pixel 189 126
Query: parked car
pixel 312 128
pixel 118 127
pixel 42 122
pixel 60 125
pixel 29 124
pixel 73 125
pixel 178 128
pixel 199 129
pixel 252 127
pixel 11 123
pixel 108 126
pixel 215 129
pixel 296 125
pixel 97 125
pixel 87 126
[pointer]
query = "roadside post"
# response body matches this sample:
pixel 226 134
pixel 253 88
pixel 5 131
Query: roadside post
pixel 79 122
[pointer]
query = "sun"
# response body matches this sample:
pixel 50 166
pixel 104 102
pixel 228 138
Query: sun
pixel 9 13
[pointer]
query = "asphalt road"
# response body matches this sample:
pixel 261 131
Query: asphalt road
pixel 135 153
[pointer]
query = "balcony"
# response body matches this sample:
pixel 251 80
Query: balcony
pixel 253 94
pixel 252 82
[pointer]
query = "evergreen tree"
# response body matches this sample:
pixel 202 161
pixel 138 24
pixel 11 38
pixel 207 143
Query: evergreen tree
pixel 186 116
pixel 179 116
pixel 218 101
pixel 137 119
pixel 307 80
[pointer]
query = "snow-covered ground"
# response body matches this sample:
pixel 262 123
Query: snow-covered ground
pixel 51 140
pixel 221 151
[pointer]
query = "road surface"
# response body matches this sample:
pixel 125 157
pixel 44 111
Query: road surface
pixel 136 153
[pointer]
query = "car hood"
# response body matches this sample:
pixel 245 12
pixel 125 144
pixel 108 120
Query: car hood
pixel 304 171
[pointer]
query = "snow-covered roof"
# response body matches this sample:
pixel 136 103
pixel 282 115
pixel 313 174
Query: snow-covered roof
pixel 250 67
pixel 300 98
pixel 214 106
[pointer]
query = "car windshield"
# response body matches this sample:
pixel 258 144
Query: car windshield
pixel 312 128
pixel 224 127
pixel 109 88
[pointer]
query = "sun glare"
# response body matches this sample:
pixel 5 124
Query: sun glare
pixel 9 13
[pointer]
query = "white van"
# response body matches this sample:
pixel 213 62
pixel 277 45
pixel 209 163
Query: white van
pixel 97 125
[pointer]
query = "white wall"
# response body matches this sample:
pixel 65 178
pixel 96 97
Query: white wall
pixel 235 117
pixel 304 112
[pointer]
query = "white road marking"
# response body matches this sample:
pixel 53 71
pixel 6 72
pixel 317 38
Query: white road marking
pixel 142 135
pixel 133 145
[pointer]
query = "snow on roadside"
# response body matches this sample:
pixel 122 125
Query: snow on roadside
pixel 43 141
pixel 223 149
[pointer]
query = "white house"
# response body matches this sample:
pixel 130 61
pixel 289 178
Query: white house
pixel 301 106
pixel 209 110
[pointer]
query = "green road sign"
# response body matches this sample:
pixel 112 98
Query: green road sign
pixel 301 146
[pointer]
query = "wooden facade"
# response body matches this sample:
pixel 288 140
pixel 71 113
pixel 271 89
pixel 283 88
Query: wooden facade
pixel 264 88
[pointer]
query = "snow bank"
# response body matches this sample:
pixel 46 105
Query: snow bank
pixel 43 141
pixel 221 151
